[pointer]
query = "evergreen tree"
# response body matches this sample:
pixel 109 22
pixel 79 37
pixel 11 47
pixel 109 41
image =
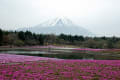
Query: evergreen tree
pixel 21 35
pixel 1 37
pixel 41 39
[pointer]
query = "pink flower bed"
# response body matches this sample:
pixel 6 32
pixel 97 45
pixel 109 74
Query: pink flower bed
pixel 10 58
pixel 88 49
pixel 60 69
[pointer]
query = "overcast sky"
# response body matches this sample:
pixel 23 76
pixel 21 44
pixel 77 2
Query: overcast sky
pixel 101 17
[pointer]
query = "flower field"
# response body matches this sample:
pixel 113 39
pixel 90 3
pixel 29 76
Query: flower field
pixel 38 68
pixel 9 58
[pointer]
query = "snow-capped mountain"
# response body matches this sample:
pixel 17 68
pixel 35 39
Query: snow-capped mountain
pixel 58 26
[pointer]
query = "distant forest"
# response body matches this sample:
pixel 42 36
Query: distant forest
pixel 14 38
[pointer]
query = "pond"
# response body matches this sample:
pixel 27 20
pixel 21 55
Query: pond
pixel 64 54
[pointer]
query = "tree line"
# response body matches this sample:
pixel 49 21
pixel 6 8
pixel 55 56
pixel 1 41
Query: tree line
pixel 27 38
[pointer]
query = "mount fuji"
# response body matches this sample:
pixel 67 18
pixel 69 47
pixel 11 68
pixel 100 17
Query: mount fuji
pixel 58 26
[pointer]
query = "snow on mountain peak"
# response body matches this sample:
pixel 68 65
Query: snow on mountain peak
pixel 58 26
pixel 57 21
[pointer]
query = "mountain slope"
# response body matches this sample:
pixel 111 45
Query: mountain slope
pixel 58 26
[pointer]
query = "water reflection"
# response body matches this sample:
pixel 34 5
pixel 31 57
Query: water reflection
pixel 65 54
pixel 23 52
